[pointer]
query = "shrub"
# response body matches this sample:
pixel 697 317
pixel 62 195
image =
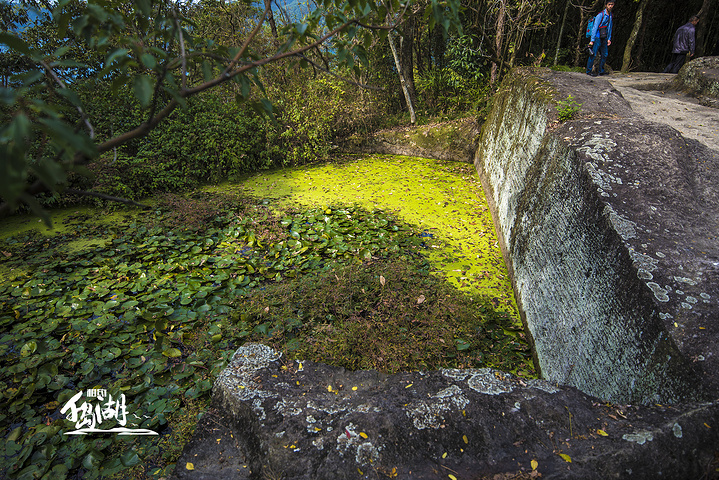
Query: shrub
pixel 566 109
pixel 209 141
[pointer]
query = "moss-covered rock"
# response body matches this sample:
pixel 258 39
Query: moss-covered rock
pixel 700 77
pixel 453 140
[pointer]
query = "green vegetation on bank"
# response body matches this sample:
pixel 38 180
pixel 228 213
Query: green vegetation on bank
pixel 152 306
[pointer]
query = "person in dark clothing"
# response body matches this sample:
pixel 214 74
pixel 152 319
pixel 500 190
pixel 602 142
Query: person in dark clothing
pixel 684 42
pixel 601 39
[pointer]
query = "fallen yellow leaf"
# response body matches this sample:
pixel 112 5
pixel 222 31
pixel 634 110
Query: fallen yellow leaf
pixel 464 437
pixel 189 466
pixel 602 433
pixel 452 477
pixel 534 464
pixel 566 457
pixel 363 435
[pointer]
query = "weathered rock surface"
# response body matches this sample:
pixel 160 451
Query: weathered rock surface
pixel 609 225
pixel 453 141
pixel 655 97
pixel 300 420
pixel 700 77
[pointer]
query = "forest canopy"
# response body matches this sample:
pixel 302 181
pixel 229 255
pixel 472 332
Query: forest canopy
pixel 85 84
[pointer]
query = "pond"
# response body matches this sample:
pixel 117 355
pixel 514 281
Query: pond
pixel 381 262
pixel 444 199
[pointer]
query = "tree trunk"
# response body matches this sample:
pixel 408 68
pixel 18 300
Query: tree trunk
pixel 627 62
pixel 407 97
pixel 271 18
pixel 581 32
pixel 499 36
pixel 561 31
pixel 406 51
pixel 703 26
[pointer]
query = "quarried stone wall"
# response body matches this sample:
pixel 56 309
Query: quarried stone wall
pixel 597 315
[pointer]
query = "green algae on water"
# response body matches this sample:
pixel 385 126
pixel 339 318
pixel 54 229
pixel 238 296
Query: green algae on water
pixel 444 200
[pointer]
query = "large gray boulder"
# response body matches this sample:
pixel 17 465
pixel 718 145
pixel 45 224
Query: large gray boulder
pixel 608 224
pixel 700 77
pixel 273 418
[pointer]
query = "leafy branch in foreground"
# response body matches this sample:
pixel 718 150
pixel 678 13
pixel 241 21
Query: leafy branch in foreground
pixel 149 47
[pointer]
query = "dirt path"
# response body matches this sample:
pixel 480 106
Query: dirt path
pixel 651 96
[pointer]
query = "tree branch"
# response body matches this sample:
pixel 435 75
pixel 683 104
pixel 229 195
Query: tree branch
pixel 91 130
pixel 246 43
pixel 339 77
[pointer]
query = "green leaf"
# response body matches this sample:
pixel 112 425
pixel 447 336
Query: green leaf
pixel 148 60
pixel 115 54
pixel 130 458
pixel 143 90
pixel 172 353
pixel 50 172
pixel 144 6
pixel 14 43
pixel 29 348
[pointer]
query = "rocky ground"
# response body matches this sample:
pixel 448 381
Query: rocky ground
pixel 655 97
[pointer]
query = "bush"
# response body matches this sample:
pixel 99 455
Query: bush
pixel 211 140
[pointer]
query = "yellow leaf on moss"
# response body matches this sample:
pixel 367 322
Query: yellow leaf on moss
pixel 566 457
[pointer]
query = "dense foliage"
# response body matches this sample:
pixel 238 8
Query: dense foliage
pixel 85 82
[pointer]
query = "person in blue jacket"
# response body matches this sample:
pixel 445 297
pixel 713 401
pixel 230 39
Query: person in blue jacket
pixel 601 39
pixel 684 42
